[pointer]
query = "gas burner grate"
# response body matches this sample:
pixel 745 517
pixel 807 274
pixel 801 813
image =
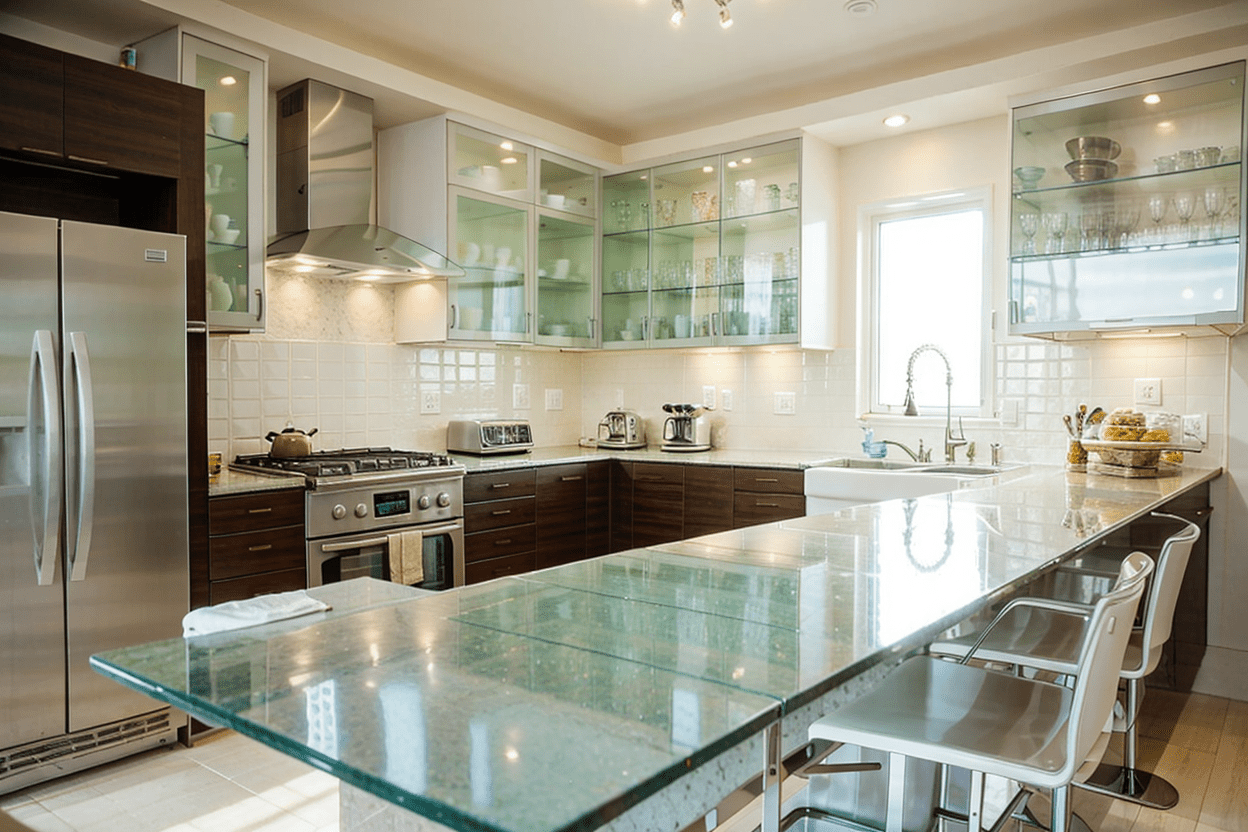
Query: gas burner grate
pixel 346 461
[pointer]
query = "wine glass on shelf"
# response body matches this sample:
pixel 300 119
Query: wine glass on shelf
pixel 1028 222
pixel 1215 204
pixel 1090 230
pixel 1128 219
pixel 1054 223
pixel 1184 206
pixel 1157 207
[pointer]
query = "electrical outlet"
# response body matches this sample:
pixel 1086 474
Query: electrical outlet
pixel 520 396
pixel 708 395
pixel 430 401
pixel 619 398
pixel 554 399
pixel 785 404
pixel 1196 427
pixel 1148 391
pixel 725 399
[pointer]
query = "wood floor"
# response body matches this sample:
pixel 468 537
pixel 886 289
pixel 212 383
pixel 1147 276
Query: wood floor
pixel 231 784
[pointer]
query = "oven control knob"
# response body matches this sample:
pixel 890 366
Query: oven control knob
pixel 424 502
pixel 340 511
pixel 444 499
pixel 361 510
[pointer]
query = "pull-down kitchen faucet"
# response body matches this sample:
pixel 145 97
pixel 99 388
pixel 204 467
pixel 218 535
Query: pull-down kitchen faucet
pixel 952 442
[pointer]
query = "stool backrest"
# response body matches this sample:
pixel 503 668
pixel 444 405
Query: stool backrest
pixel 1100 661
pixel 1163 595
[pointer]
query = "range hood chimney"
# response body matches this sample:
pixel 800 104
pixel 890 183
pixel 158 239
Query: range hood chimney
pixel 325 194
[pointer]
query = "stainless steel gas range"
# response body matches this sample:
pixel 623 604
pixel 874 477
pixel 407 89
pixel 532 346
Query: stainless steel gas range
pixel 363 502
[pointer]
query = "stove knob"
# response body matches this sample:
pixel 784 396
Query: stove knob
pixel 444 499
pixel 423 503
pixel 340 511
pixel 361 510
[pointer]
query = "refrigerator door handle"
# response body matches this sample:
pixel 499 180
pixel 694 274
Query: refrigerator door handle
pixel 80 362
pixel 45 397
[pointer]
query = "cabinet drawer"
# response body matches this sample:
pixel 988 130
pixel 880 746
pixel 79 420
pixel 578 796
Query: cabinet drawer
pixel 266 550
pixel 498 486
pixel 479 517
pixel 485 570
pixel 512 540
pixel 769 480
pixel 657 472
pixel 238 589
pixel 251 512
pixel 752 509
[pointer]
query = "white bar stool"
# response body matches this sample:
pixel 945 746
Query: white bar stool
pixel 1045 634
pixel 1035 732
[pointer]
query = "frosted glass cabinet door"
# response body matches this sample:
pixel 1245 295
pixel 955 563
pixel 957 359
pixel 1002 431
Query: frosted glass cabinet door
pixel 565 281
pixel 234 100
pixel 491 237
pixel 566 185
pixel 488 162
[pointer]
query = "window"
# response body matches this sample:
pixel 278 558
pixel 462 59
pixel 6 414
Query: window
pixel 925 266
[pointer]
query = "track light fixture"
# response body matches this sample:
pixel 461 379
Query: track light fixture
pixel 678 13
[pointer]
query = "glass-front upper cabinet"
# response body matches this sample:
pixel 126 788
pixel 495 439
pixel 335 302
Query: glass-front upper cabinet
pixel 566 252
pixel 566 185
pixel 489 162
pixel 1126 209
pixel 234 85
pixel 491 237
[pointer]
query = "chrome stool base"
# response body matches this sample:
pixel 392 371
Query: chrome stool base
pixel 1132 785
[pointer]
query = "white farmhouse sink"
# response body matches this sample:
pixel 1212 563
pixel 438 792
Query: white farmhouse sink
pixel 843 483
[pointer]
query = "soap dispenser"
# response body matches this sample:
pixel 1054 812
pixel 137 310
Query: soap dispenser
pixel 875 450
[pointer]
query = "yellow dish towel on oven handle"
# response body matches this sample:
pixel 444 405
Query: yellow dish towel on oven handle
pixel 407 561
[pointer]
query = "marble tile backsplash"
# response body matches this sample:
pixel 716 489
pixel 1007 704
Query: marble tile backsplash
pixel 327 360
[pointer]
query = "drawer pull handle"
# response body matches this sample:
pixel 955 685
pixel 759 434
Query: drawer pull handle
pixel 501 512
pixel 766 479
pixel 767 505
pixel 40 150
pixel 571 479
pixel 498 485
pixel 502 542
pixel 260 548
pixel 651 477
pixel 88 160
pixel 265 510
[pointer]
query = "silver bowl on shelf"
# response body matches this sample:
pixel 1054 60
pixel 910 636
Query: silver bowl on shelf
pixel 1092 147
pixel 1091 170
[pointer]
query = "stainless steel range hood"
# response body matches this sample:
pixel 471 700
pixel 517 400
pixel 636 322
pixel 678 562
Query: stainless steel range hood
pixel 325 194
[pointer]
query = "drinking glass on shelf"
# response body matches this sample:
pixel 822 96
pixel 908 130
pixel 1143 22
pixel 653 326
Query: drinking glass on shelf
pixel 1107 221
pixel 1090 231
pixel 1054 223
pixel 1028 222
pixel 623 212
pixel 1184 206
pixel 1215 204
pixel 1128 219
pixel 1157 206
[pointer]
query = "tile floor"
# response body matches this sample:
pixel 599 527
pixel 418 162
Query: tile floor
pixel 230 784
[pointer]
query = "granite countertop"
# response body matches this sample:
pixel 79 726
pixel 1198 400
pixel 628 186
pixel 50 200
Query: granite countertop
pixel 645 678
pixel 564 454
pixel 232 481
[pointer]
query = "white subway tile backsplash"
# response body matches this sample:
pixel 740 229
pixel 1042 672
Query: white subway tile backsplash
pixel 244 390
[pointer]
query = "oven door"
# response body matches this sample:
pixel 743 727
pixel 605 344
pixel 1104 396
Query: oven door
pixel 333 559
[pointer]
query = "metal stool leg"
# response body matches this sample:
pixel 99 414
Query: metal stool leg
pixel 1126 782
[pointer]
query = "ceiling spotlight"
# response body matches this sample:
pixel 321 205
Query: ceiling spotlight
pixel 897 120
pixel 725 19
pixel 860 8
pixel 678 12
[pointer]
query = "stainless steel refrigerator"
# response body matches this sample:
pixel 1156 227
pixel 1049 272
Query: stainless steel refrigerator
pixel 93 484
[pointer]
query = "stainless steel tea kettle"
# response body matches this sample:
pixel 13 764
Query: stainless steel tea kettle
pixel 291 442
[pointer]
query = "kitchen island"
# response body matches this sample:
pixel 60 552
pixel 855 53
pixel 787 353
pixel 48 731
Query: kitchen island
pixel 635 690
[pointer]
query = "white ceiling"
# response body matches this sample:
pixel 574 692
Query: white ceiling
pixel 618 71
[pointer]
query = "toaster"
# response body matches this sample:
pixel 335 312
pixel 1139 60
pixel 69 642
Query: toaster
pixel 488 436
pixel 621 429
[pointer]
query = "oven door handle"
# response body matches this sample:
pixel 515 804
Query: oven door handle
pixel 382 541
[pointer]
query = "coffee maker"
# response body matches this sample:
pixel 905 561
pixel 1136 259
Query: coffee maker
pixel 621 429
pixel 687 429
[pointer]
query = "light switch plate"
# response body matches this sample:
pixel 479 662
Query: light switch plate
pixel 520 396
pixel 430 401
pixel 554 399
pixel 725 399
pixel 785 404
pixel 708 395
pixel 1148 391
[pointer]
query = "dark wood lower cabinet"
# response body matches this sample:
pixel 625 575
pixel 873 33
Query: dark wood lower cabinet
pixel 658 503
pixel 500 532
pixel 708 499
pixel 621 485
pixel 765 495
pixel 256 545
pixel 561 496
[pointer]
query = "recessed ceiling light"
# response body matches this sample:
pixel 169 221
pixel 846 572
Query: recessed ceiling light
pixel 860 8
pixel 1152 98
pixel 746 160
pixel 506 146
pixel 897 120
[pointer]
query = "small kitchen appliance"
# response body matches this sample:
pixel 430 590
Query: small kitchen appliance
pixel 360 502
pixel 485 437
pixel 621 429
pixel 687 429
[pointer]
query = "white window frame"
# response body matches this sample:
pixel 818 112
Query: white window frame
pixel 870 217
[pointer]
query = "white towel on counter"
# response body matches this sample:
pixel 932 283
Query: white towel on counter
pixel 407 557
pixel 263 609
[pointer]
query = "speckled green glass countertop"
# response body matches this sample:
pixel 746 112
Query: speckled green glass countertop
pixel 557 700
pixel 566 454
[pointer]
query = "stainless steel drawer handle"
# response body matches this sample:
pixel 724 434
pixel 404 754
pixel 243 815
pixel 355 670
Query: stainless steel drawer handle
pixel 88 160
pixel 767 505
pixel 260 548
pixel 498 485
pixel 501 512
pixel 502 542
pixel 649 478
pixel 259 510
pixel 571 479
pixel 766 479
pixel 41 150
